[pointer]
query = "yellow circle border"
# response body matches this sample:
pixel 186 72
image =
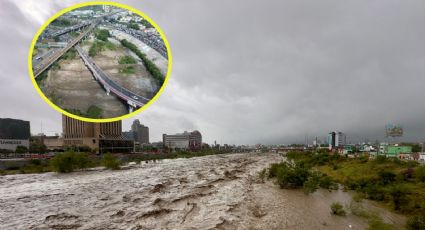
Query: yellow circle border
pixel 79 5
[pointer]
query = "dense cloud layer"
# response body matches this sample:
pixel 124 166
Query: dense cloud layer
pixel 258 71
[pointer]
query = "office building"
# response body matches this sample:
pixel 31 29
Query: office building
pixel 140 132
pixel 186 140
pixel 104 137
pixel 14 133
pixel 336 139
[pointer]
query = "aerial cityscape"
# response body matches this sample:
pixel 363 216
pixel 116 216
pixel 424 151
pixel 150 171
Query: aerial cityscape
pixel 276 115
pixel 100 61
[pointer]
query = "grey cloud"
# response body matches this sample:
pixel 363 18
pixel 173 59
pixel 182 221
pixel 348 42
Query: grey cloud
pixel 265 71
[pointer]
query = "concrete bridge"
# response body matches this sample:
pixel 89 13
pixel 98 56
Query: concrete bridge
pixel 68 29
pixel 52 59
pixel 133 100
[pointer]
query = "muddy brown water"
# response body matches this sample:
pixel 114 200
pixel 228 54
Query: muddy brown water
pixel 212 192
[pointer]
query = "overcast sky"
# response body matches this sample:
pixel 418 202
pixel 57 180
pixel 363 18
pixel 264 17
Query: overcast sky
pixel 248 72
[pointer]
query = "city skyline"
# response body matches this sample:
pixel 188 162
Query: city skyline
pixel 339 67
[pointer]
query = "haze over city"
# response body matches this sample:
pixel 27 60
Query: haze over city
pixel 306 69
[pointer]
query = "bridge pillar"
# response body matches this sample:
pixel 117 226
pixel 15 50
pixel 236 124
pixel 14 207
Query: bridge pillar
pixel 107 91
pixel 130 109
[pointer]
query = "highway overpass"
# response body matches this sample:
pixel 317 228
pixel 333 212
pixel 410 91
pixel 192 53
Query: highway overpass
pixel 52 59
pixel 133 100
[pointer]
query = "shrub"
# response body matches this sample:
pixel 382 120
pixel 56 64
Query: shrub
pixel 103 35
pixel 292 177
pixel 380 159
pixel 420 173
pixel 407 174
pixel 311 185
pixel 262 174
pixel 337 209
pixel 150 66
pixel 126 60
pixel 69 161
pixel 326 182
pixel 386 177
pixel 376 223
pixel 416 222
pixel 110 161
pixel 96 48
pixel 398 195
pixel 374 192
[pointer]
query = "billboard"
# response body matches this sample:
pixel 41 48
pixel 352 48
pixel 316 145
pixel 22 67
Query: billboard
pixel 393 130
pixel 12 144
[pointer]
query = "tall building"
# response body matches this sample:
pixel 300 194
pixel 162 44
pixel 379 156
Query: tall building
pixel 14 133
pixel 105 137
pixel 186 140
pixel 138 133
pixel 336 139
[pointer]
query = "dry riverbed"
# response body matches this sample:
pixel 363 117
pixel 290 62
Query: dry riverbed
pixel 212 192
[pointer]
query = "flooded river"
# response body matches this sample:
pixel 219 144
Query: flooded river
pixel 212 192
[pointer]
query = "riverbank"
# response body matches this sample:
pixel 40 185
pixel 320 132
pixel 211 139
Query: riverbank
pixel 210 192
pixel 396 185
pixel 29 166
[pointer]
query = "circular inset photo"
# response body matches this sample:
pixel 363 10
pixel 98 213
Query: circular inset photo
pixel 99 62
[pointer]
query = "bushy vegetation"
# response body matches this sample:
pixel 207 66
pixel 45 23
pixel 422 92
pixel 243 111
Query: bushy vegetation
pixel 374 219
pixel 126 60
pixel 70 54
pixel 416 221
pixel 128 70
pixel 70 161
pixel 150 66
pixel 102 35
pixel 96 48
pixel 398 184
pixel 99 46
pixel 56 66
pixel 94 112
pixel 289 175
pixel 338 209
pixel 110 161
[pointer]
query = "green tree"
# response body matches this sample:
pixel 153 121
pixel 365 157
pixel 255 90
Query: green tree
pixel 110 161
pixel 69 161
pixel 103 35
pixel 386 177
pixel 21 149
pixel 399 196
pixel 64 162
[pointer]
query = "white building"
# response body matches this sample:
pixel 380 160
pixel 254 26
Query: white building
pixel 186 140
pixel 106 8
